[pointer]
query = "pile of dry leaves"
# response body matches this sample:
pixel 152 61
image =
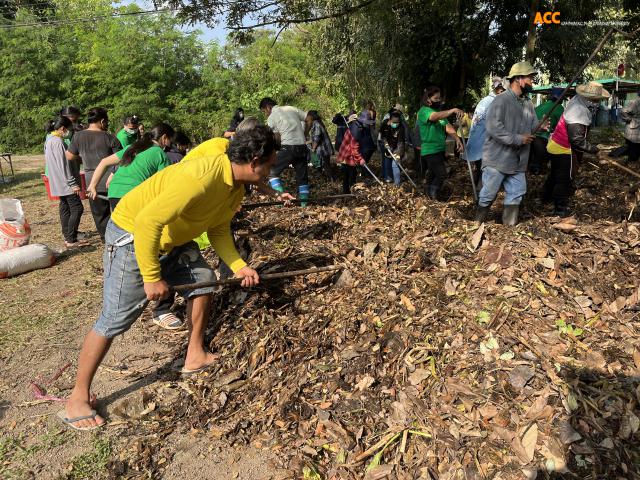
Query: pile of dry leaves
pixel 440 351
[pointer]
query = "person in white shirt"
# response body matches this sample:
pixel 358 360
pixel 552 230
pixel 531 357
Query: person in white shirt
pixel 287 123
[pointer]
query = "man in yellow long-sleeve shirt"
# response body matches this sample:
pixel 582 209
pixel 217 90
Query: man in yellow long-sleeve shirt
pixel 148 247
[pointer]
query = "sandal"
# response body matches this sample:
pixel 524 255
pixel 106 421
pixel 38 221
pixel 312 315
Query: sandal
pixel 168 321
pixel 76 244
pixel 213 366
pixel 70 421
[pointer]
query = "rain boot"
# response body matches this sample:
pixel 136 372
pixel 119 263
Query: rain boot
pixel 276 184
pixel 303 194
pixel 432 192
pixel 482 213
pixel 510 215
pixel 561 209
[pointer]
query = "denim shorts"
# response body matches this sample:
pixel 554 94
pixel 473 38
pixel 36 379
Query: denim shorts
pixel 124 299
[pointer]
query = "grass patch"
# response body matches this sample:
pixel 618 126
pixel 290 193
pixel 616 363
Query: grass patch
pixel 15 452
pixel 15 329
pixel 91 464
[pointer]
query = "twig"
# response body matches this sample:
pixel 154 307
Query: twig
pixel 621 167
pixel 371 450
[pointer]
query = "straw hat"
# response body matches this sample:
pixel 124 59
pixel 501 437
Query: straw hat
pixel 521 69
pixel 593 91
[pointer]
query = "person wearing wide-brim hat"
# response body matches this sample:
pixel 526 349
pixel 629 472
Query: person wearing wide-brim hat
pixel 505 154
pixel 568 143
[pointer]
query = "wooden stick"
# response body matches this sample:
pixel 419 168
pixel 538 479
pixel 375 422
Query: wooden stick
pixel 266 276
pixel 575 77
pixel 621 167
pixel 249 206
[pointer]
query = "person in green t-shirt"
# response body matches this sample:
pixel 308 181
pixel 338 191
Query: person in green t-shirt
pixel 538 161
pixel 434 128
pixel 130 131
pixel 136 163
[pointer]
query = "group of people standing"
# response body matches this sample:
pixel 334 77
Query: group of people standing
pixel 149 209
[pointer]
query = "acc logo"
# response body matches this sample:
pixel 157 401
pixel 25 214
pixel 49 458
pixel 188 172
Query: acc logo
pixel 547 18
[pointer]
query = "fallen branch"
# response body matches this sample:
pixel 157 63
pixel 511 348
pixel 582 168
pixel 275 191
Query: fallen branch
pixel 621 167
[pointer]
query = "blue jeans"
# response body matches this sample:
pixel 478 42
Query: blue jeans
pixel 515 186
pixel 390 170
pixel 124 298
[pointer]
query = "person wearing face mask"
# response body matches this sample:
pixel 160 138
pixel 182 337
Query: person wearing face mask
pixel 136 163
pixel 73 114
pixel 505 155
pixel 130 132
pixel 392 136
pixel 434 128
pixel 91 146
pixel 64 180
pixel 238 117
pixel 568 143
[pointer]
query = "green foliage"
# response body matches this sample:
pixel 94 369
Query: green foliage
pixel 565 328
pixel 147 65
pixel 93 463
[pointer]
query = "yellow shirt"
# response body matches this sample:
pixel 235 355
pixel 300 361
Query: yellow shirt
pixel 205 149
pixel 179 203
pixel 555 149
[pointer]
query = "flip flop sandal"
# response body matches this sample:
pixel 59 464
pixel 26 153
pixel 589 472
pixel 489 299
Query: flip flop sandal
pixel 70 421
pixel 213 366
pixel 168 321
pixel 78 244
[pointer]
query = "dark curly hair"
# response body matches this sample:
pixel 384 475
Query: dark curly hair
pixel 258 141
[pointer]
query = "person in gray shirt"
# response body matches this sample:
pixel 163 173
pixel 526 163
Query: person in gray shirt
pixel 91 146
pixel 64 179
pixel 288 124
pixel 510 121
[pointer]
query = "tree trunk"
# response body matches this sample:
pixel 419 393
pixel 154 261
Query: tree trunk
pixel 531 36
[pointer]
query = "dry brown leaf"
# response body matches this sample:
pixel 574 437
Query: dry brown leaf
pixel 365 382
pixel 449 287
pixel 379 472
pixel 547 262
pixel 476 238
pixel 565 226
pixel 419 375
pixel 529 440
pixel 407 303
pixel 520 375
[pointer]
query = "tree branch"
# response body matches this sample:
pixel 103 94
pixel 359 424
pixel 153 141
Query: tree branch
pixel 286 22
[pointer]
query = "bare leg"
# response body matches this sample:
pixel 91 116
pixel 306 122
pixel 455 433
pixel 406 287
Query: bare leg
pixel 197 320
pixel 94 348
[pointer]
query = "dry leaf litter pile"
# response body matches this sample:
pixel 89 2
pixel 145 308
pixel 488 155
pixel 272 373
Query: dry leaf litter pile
pixel 440 351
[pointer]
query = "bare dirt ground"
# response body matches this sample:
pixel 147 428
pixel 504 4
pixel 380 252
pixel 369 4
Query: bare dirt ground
pixel 445 351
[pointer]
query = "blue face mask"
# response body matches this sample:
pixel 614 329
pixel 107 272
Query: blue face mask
pixel 394 125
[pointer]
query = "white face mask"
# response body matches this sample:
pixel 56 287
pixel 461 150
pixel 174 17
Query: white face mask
pixel 131 131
